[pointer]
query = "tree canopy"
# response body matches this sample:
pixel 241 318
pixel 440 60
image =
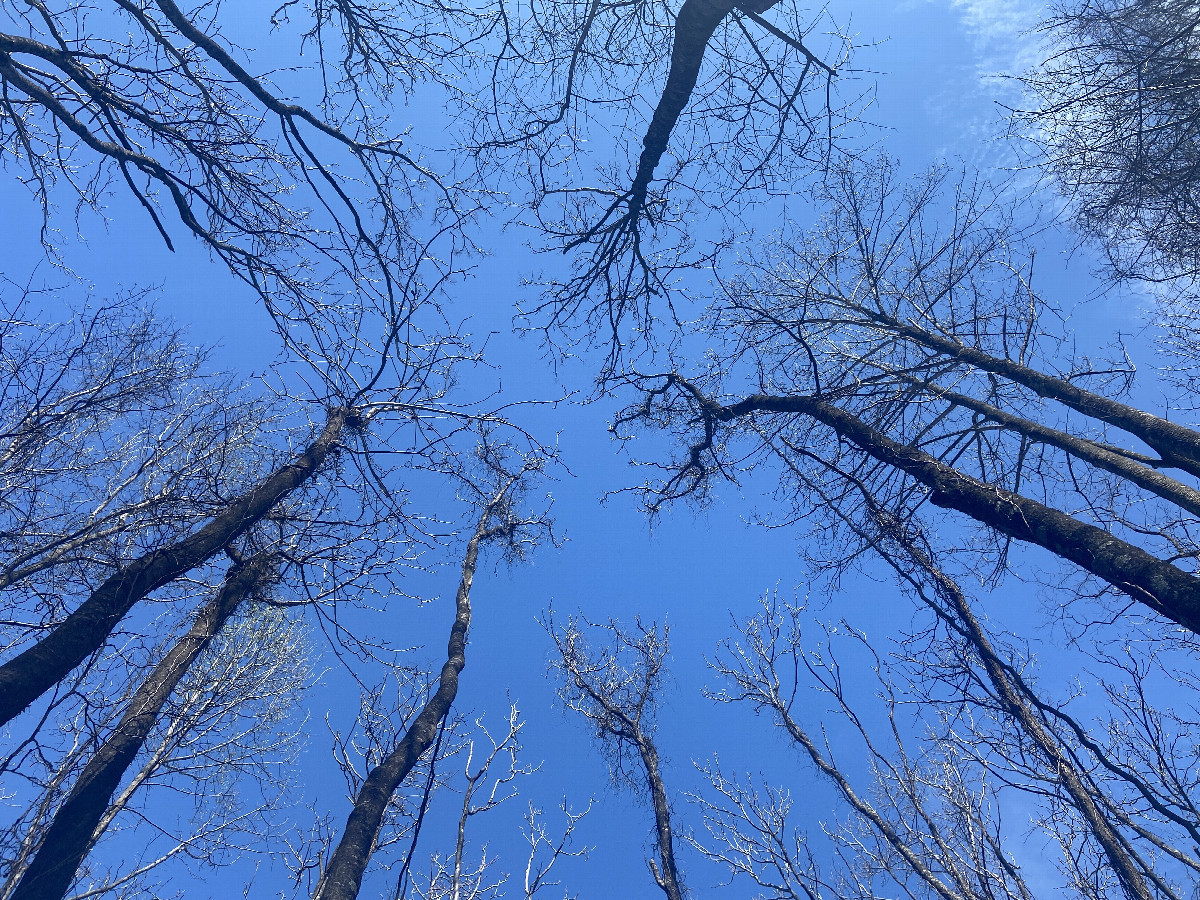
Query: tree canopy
pixel 258 634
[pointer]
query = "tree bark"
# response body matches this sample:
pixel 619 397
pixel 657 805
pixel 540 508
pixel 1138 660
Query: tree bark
pixel 36 670
pixel 1159 585
pixel 1179 446
pixel 695 24
pixel 1082 448
pixel 342 878
pixel 668 878
pixel 70 834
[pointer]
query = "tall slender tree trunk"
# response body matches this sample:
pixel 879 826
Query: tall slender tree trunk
pixel 668 879
pixel 342 877
pixel 1013 696
pixel 36 670
pixel 69 836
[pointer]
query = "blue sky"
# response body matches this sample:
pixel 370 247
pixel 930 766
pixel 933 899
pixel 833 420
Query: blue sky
pixel 935 64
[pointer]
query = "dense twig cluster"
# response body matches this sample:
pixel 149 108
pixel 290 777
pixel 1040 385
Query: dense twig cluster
pixel 1114 111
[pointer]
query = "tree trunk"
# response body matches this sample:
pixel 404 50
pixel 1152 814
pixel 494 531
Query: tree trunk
pixel 70 834
pixel 1089 451
pixel 1179 446
pixel 1166 589
pixel 694 27
pixel 342 878
pixel 83 632
pixel 668 878
pixel 1013 700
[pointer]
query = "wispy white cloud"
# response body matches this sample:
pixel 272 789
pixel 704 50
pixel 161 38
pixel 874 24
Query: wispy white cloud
pixel 1001 30
pixel 998 41
pixel 1001 18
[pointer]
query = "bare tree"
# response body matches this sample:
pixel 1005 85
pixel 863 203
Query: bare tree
pixel 110 427
pixel 616 689
pixel 453 876
pixel 545 850
pixel 488 783
pixel 307 204
pixel 130 474
pixel 484 790
pixel 133 480
pixel 891 356
pixel 921 822
pixel 933 816
pixel 116 446
pixel 133 470
pixel 740 100
pixel 892 360
pixel 1113 111
pixel 959 737
pixel 751 835
pixel 498 521
pixel 302 204
pixel 348 238
pixel 83 631
pixel 226 739
pixel 69 835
